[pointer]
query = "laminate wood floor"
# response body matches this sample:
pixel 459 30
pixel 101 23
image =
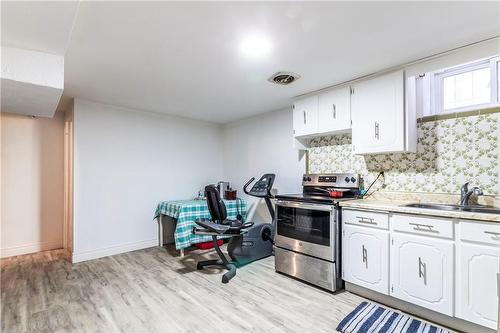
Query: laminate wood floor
pixel 154 290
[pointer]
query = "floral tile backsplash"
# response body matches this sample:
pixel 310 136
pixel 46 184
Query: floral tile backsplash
pixel 449 153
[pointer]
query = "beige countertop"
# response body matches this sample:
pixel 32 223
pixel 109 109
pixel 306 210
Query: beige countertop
pixel 397 206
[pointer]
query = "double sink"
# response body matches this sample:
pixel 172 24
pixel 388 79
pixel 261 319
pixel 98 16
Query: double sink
pixel 456 208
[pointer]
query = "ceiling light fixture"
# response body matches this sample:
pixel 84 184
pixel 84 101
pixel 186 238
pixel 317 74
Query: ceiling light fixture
pixel 255 46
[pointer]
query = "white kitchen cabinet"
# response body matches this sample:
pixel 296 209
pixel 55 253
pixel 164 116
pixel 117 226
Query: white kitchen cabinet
pixel 365 253
pixel 380 121
pixel 334 111
pixel 478 263
pixel 477 299
pixel 305 116
pixel 442 264
pixel 422 271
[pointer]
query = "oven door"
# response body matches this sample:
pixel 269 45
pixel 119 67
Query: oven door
pixel 306 228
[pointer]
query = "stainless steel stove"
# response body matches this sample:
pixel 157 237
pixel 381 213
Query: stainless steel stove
pixel 307 239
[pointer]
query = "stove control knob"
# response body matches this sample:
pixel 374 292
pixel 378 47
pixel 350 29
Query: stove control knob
pixel 304 179
pixel 347 180
pixel 353 179
pixel 309 179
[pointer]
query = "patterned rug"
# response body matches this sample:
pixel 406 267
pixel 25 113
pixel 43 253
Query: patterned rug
pixel 372 318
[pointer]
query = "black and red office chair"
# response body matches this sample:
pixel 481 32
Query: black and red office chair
pixel 219 226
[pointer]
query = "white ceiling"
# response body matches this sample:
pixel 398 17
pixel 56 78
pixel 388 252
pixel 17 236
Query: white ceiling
pixel 182 57
pixel 38 25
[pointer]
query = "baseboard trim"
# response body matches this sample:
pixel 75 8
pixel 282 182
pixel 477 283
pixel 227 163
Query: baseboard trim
pixel 30 248
pixel 112 250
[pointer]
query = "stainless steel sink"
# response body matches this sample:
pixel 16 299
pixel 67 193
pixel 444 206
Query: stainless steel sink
pixel 460 208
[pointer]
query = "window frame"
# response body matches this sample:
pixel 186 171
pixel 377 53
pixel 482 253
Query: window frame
pixel 495 84
pixel 437 83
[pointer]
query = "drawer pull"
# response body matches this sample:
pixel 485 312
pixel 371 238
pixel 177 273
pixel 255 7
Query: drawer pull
pixel 421 227
pixel 365 220
pixel 494 234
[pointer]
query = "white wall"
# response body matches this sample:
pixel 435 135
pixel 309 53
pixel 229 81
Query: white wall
pixel 126 161
pixel 31 183
pixel 258 145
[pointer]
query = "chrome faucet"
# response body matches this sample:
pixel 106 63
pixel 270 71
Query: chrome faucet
pixel 465 193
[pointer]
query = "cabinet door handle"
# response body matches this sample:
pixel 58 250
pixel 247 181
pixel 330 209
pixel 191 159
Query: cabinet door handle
pixel 418 227
pixel 305 119
pixel 365 220
pixel 422 270
pixel 494 234
pixel 334 111
pixel 365 255
pixel 377 131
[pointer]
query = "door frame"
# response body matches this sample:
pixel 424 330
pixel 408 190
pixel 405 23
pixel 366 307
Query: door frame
pixel 68 181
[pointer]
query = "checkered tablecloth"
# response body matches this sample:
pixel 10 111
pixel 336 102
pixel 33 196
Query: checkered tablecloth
pixel 185 212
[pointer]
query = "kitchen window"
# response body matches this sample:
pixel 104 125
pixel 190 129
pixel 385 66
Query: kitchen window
pixel 466 87
pixel 497 67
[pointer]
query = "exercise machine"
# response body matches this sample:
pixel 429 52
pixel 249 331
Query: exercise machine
pixel 249 241
pixel 257 242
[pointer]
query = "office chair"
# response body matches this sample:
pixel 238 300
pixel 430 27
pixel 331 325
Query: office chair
pixel 219 225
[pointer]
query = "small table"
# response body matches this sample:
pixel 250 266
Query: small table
pixel 185 212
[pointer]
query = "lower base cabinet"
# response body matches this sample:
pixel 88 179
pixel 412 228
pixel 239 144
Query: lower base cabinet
pixel 445 265
pixel 478 266
pixel 422 271
pixel 366 257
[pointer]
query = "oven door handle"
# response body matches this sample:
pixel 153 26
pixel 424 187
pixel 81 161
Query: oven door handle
pixel 293 204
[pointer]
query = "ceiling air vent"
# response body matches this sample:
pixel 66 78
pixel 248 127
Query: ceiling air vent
pixel 284 78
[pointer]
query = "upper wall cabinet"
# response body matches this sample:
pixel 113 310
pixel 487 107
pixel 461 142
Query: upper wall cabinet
pixel 305 116
pixel 334 110
pixel 381 123
pixel 382 120
pixel 325 113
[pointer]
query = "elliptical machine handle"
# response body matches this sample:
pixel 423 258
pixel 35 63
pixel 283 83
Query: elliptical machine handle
pixel 246 185
pixel 269 194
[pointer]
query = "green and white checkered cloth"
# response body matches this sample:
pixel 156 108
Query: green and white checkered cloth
pixel 187 211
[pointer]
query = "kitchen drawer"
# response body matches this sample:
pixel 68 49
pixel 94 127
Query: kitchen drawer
pixel 313 270
pixel 488 233
pixel 423 225
pixel 366 218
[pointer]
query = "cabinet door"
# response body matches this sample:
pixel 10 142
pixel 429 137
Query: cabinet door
pixel 422 271
pixel 365 253
pixel 334 110
pixel 377 110
pixel 477 294
pixel 305 116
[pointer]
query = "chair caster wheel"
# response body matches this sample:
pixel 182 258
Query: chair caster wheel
pixel 199 267
pixel 225 279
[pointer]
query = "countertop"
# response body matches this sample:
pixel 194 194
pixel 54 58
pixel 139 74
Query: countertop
pixel 397 206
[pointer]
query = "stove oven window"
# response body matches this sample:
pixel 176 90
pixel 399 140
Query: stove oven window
pixel 312 226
